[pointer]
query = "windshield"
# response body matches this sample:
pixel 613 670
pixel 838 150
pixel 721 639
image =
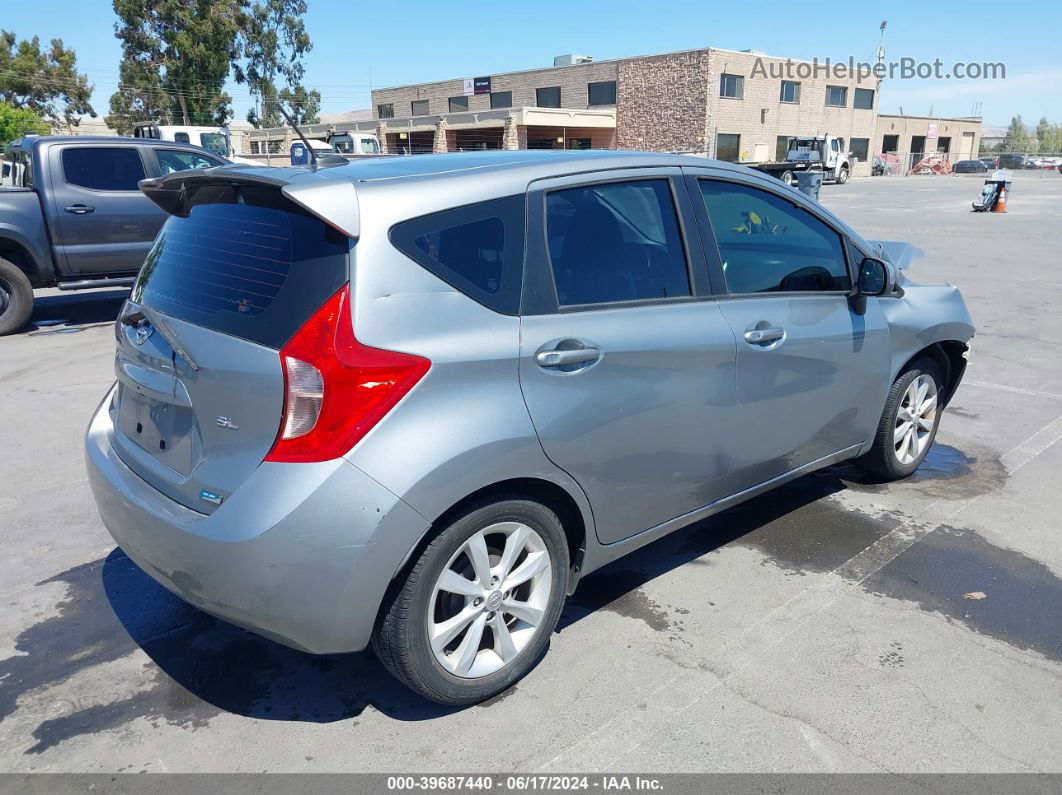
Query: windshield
pixel 218 143
pixel 342 143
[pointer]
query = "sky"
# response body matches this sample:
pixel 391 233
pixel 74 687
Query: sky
pixel 360 45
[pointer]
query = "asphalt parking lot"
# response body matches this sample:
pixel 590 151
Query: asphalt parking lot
pixel 833 625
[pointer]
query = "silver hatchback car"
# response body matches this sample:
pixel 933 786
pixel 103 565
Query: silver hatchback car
pixel 411 401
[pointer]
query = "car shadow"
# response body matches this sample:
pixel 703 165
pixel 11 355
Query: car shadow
pixel 207 666
pixel 67 312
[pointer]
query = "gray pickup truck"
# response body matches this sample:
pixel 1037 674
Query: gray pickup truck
pixel 72 216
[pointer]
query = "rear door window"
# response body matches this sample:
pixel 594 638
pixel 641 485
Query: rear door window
pixel 767 244
pixel 477 248
pixel 252 265
pixel 616 241
pixel 110 168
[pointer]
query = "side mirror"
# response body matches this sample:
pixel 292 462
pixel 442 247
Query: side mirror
pixel 873 277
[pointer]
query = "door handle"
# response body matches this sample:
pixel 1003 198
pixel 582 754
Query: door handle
pixel 560 358
pixel 80 209
pixel 761 336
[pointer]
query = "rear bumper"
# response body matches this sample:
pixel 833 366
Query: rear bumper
pixel 300 553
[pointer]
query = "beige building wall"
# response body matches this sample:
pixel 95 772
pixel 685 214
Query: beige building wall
pixel 573 81
pixel 960 137
pixel 760 117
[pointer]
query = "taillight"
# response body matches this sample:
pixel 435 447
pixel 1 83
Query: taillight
pixel 335 388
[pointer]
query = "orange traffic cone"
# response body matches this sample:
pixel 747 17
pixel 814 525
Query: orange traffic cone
pixel 1001 201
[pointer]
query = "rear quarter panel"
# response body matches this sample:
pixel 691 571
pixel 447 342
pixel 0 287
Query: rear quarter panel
pixel 465 425
pixel 22 222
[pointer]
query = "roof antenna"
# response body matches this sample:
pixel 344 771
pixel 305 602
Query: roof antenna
pixel 328 160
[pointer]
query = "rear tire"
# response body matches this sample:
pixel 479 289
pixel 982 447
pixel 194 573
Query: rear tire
pixel 16 298
pixel 445 629
pixel 909 423
pixel 842 176
pixel 787 178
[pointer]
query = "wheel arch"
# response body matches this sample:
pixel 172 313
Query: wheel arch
pixel 577 525
pixel 950 356
pixel 18 253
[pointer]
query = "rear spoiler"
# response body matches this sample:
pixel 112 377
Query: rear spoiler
pixel 331 198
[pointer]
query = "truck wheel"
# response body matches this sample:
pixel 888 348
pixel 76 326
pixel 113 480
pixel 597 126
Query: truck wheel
pixel 16 298
pixel 787 177
pixel 474 613
pixel 842 176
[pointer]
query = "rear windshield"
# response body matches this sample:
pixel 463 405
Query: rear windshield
pixel 254 266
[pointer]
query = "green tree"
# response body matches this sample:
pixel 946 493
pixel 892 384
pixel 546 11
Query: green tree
pixel 15 122
pixel 1017 137
pixel 46 82
pixel 176 56
pixel 273 42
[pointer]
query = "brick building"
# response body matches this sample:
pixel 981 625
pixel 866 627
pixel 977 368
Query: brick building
pixel 739 106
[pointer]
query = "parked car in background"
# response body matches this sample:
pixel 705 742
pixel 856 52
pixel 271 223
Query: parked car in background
pixel 72 216
pixel 1012 161
pixel 970 167
pixel 990 162
pixel 419 398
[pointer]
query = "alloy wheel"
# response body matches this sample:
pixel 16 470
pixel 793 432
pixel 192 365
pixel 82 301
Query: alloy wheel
pixel 916 417
pixel 489 600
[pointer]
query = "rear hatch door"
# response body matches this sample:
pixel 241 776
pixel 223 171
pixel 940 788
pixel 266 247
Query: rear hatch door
pixel 200 385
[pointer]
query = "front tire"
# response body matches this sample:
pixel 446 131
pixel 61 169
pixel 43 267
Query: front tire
pixel 842 176
pixel 16 298
pixel 787 178
pixel 474 612
pixel 909 423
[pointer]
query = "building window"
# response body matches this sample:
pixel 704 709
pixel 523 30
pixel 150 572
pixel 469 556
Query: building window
pixel 732 86
pixel 579 143
pixel 418 107
pixel 458 104
pixel 790 92
pixel 864 99
pixel 386 111
pixel 890 143
pixel 254 147
pixel 836 96
pixel 603 93
pixel 728 147
pixel 273 147
pixel 548 97
pixel 781 147
pixel 860 148
pixel 501 99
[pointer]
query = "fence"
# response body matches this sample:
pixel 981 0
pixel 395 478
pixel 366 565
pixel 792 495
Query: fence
pixel 919 163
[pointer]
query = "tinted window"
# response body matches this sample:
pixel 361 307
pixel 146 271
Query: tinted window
pixel 458 104
pixel 732 86
pixel 103 168
pixel 501 99
pixel 418 107
pixel 790 92
pixel 617 241
pixel 386 111
pixel 171 160
pixel 861 148
pixel 181 138
pixel 548 97
pixel 256 269
pixel 836 96
pixel 603 93
pixel 477 249
pixel 864 99
pixel 768 244
pixel 728 147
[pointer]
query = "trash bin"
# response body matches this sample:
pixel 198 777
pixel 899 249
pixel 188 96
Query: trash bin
pixel 809 182
pixel 300 156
